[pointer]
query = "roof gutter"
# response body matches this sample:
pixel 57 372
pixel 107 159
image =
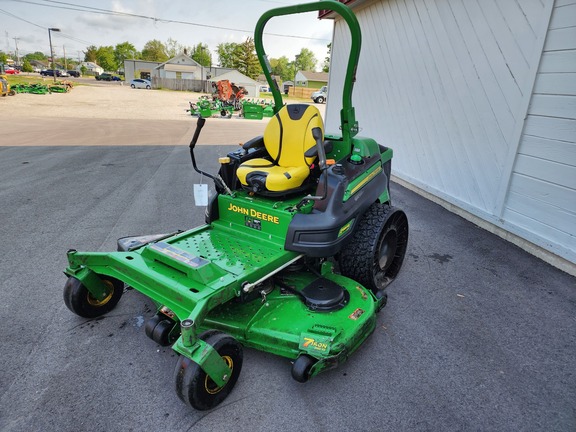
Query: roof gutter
pixel 328 14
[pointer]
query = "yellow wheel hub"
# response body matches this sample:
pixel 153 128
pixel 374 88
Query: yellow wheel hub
pixel 110 292
pixel 210 386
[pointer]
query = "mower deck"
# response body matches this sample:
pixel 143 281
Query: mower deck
pixel 284 324
pixel 195 275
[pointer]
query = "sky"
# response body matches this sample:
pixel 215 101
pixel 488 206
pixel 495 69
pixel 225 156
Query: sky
pixel 87 22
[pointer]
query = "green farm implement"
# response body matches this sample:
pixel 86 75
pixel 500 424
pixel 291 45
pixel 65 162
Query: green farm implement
pixel 300 242
pixel 207 107
pixel 60 87
pixel 257 110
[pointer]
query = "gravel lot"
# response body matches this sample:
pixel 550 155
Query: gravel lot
pixel 114 114
pixel 112 101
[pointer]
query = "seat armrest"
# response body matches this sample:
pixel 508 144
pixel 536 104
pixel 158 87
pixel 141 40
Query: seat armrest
pixel 253 143
pixel 313 151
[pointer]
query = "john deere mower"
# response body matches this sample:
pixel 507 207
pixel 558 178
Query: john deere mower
pixel 299 245
pixel 5 89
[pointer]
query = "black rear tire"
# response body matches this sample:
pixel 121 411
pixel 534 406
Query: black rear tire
pixel 374 255
pixel 194 387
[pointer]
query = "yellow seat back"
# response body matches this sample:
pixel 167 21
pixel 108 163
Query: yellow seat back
pixel 289 134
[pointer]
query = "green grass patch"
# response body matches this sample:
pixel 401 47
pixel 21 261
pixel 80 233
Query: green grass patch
pixel 24 79
pixel 38 79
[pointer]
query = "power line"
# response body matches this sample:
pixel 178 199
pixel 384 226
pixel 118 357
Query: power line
pixel 95 10
pixel 64 35
pixel 21 19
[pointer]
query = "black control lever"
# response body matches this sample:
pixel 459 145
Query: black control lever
pixel 217 181
pixel 199 125
pixel 317 135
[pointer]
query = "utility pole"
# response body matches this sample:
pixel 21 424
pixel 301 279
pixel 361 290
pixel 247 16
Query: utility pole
pixel 65 61
pixel 52 51
pixel 17 57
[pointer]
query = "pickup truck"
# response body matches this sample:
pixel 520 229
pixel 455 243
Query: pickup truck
pixel 320 95
pixel 105 77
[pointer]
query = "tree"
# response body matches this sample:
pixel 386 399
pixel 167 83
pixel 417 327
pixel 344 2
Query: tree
pixel 326 64
pixel 305 61
pixel 281 67
pixel 248 62
pixel 201 54
pixel 3 57
pixel 241 57
pixel 90 55
pixel 174 48
pixel 123 51
pixel 228 52
pixel 154 50
pixel 26 66
pixel 105 58
pixel 36 56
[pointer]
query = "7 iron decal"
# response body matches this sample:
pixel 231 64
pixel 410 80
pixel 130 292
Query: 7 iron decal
pixel 314 344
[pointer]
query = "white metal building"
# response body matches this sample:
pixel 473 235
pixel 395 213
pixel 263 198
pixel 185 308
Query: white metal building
pixel 478 100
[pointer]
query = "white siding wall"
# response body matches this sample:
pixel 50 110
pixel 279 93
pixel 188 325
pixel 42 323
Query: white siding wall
pixel 447 84
pixel 542 193
pixel 174 75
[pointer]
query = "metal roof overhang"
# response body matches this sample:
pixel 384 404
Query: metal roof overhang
pixel 180 68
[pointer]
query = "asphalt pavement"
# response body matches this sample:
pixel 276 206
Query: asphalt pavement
pixel 478 335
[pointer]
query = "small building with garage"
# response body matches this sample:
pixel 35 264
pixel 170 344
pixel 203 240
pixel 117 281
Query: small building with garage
pixel 180 67
pixel 138 69
pixel 311 79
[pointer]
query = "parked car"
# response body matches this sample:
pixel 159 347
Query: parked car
pixel 74 73
pixel 320 95
pixel 50 72
pixel 12 71
pixel 141 83
pixel 64 73
pixel 105 77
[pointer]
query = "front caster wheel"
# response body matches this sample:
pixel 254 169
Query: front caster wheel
pixel 195 387
pixel 302 367
pixel 79 300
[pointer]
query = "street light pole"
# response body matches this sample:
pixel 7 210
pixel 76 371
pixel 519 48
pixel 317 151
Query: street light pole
pixel 52 51
pixel 295 72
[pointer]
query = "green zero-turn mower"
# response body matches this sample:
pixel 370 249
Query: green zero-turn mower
pixel 299 244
